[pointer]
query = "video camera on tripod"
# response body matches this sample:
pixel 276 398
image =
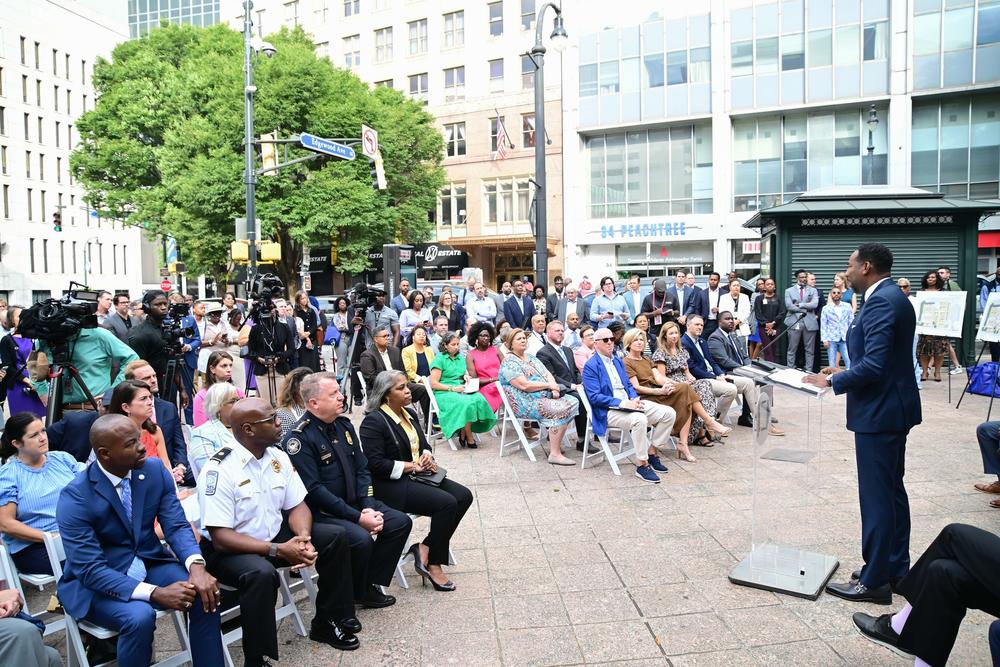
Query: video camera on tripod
pixel 363 296
pixel 172 328
pixel 263 290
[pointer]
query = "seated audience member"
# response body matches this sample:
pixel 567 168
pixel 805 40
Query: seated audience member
pixel 164 414
pixel 572 339
pixel 117 572
pixel 453 313
pixel 30 483
pixel 398 454
pixel 382 356
pixel 418 355
pixel 586 349
pixel 641 323
pixel 134 400
pixel 615 403
pixel 652 385
pixel 324 448
pixel 20 635
pixel 71 434
pixel 988 434
pixel 704 367
pixel 218 369
pixel 672 360
pixel 249 540
pixel 536 335
pixel 440 328
pixel 618 331
pixel 483 362
pixel 216 432
pixel 560 361
pixel 461 412
pixel 534 394
pixel 957 572
pixel 728 353
pixel 290 403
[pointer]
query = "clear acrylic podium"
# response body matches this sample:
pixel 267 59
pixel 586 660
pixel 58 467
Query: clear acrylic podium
pixel 785 471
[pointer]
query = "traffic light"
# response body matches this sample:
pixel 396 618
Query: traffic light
pixel 57 221
pixel 268 154
pixel 377 173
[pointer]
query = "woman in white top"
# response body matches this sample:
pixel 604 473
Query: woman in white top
pixel 416 314
pixel 738 304
pixel 214 333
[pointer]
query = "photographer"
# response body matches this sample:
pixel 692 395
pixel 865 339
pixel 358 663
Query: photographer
pixel 148 341
pixel 270 347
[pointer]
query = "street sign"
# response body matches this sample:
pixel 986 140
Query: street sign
pixel 164 273
pixel 165 285
pixel 321 145
pixel 369 141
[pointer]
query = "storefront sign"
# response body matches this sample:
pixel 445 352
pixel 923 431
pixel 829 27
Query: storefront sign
pixel 644 230
pixel 751 247
pixel 430 256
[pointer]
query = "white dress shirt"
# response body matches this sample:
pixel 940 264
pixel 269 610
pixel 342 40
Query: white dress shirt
pixel 617 388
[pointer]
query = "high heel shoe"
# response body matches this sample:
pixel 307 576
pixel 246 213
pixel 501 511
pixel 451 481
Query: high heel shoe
pixel 686 456
pixel 425 574
pixel 720 429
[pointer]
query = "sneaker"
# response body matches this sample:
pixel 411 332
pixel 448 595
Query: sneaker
pixel 656 464
pixel 646 474
pixel 957 370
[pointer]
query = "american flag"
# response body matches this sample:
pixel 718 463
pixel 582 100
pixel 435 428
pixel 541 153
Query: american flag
pixel 502 141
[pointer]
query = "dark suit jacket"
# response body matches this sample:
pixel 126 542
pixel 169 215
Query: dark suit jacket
pixel 101 543
pixel 690 296
pixel 556 362
pixel 881 389
pixel 722 351
pixel 116 325
pixel 372 365
pixel 170 423
pixel 71 434
pixel 385 443
pixel 697 356
pixel 582 309
pixel 552 305
pixel 512 313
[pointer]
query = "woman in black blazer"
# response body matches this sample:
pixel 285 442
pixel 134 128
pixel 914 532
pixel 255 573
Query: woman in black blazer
pixel 397 448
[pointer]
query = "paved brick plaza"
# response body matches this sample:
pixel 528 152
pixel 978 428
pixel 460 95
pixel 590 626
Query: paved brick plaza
pixel 560 566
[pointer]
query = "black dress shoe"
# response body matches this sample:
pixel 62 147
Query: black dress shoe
pixel 880 631
pixel 745 421
pixel 893 582
pixel 858 592
pixel 332 634
pixel 350 625
pixel 592 447
pixel 374 598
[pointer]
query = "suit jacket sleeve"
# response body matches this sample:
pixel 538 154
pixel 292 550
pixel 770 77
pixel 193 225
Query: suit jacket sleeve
pixel 78 530
pixel 410 362
pixel 174 524
pixel 879 331
pixel 174 436
pixel 379 445
pixel 717 348
pixel 369 369
pixel 592 385
pixel 790 303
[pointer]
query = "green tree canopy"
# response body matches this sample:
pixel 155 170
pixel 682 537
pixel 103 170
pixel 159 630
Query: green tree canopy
pixel 163 149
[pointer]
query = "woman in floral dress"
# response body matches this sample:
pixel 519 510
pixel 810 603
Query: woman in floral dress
pixel 672 360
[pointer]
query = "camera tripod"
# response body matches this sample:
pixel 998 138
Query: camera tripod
pixel 168 391
pixel 347 385
pixel 59 367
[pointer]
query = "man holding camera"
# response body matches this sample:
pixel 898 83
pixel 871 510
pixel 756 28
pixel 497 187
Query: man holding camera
pixel 148 342
pixel 271 346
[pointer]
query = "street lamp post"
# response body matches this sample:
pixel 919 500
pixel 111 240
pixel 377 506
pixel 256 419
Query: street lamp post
pixel 250 167
pixel 558 39
pixel 872 125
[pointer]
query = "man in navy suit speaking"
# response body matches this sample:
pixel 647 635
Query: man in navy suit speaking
pixel 882 407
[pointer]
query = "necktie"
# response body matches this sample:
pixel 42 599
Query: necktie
pixel 350 483
pixel 736 348
pixel 136 569
pixel 802 293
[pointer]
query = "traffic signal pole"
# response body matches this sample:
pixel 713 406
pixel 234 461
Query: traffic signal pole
pixel 250 171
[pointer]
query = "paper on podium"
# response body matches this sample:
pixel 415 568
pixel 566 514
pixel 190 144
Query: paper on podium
pixel 472 385
pixel 792 377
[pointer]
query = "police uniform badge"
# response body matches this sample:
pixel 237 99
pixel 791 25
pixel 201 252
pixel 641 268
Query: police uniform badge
pixel 347 436
pixel 293 446
pixel 211 482
pixel 276 465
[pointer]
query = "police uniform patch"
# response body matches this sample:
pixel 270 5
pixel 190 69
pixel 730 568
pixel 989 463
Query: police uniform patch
pixel 211 482
pixel 293 446
pixel 276 465
pixel 347 436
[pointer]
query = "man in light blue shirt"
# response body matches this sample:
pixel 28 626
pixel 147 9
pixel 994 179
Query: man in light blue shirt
pixel 835 320
pixel 608 306
pixel 482 308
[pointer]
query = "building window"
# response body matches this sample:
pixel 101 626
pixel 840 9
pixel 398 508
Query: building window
pixel 55 62
pixel 507 200
pixel 40 140
pixel 38 56
pixel 453 210
pixel 528 130
pixel 41 200
pixel 27 164
pixel 3 160
pixel 2 94
pixel 454 139
pixel 527 14
pixel 24 88
pixel 59 170
pixel 27 126
pixel 73 255
pixel 352 7
pixel 383 45
pixel 31 211
pixel 23 61
pixel 496 18
pixel 648 173
pixel 418 87
pixel 496 75
pixel 66 67
pixel 31 255
pixel 3 121
pixel 41 167
pixel 418 37
pixel 45 255
pixel 495 124
pixel 62 257
pixel 527 72
pixel 384 84
pixel 454 29
pixel 454 84
pixel 352 51
pixel 55 97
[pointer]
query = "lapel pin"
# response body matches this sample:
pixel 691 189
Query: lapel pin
pixel 141 476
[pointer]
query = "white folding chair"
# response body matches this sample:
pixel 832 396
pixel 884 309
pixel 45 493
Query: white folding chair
pixel 9 574
pixel 623 438
pixel 517 426
pixel 361 385
pixel 434 432
pixel 75 651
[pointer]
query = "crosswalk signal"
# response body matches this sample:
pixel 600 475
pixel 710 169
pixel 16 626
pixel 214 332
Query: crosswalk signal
pixel 268 154
pixel 57 221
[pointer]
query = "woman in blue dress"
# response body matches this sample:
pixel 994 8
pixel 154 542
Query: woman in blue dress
pixel 534 394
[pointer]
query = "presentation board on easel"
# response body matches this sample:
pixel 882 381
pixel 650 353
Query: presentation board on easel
pixel 940 313
pixel 989 324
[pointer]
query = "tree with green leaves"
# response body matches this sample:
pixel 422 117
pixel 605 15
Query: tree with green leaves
pixel 163 149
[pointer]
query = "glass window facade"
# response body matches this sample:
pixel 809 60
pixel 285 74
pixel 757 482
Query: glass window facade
pixel 801 51
pixel 666 171
pixel 453 210
pixel 144 15
pixel 454 139
pixel 776 158
pixel 418 37
pixel 955 43
pixel 507 200
pixel 956 146
pixel 660 69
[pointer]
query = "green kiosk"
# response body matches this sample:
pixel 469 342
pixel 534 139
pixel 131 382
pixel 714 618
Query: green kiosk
pixel 818 231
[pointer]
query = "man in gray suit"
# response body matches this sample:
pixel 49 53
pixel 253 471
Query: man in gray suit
pixel 801 302
pixel 121 322
pixel 572 302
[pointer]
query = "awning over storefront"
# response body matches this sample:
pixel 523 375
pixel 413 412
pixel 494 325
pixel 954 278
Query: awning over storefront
pixel 499 242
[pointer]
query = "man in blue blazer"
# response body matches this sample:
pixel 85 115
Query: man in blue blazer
pixel 882 406
pixel 614 403
pixel 703 366
pixel 117 572
pixel 519 308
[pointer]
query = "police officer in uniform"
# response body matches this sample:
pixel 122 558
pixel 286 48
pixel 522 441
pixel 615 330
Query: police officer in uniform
pixel 325 450
pixel 243 492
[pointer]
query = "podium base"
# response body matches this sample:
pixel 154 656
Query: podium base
pixel 772 567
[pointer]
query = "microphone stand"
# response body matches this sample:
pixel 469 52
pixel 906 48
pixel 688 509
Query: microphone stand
pixel 769 365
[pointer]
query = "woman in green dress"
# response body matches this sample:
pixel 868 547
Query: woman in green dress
pixel 460 412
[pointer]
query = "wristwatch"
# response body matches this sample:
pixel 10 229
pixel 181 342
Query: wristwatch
pixel 198 560
pixel 272 550
pixel 829 380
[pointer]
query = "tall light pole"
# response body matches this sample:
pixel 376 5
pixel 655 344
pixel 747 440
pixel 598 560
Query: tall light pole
pixel 872 125
pixel 250 167
pixel 558 39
